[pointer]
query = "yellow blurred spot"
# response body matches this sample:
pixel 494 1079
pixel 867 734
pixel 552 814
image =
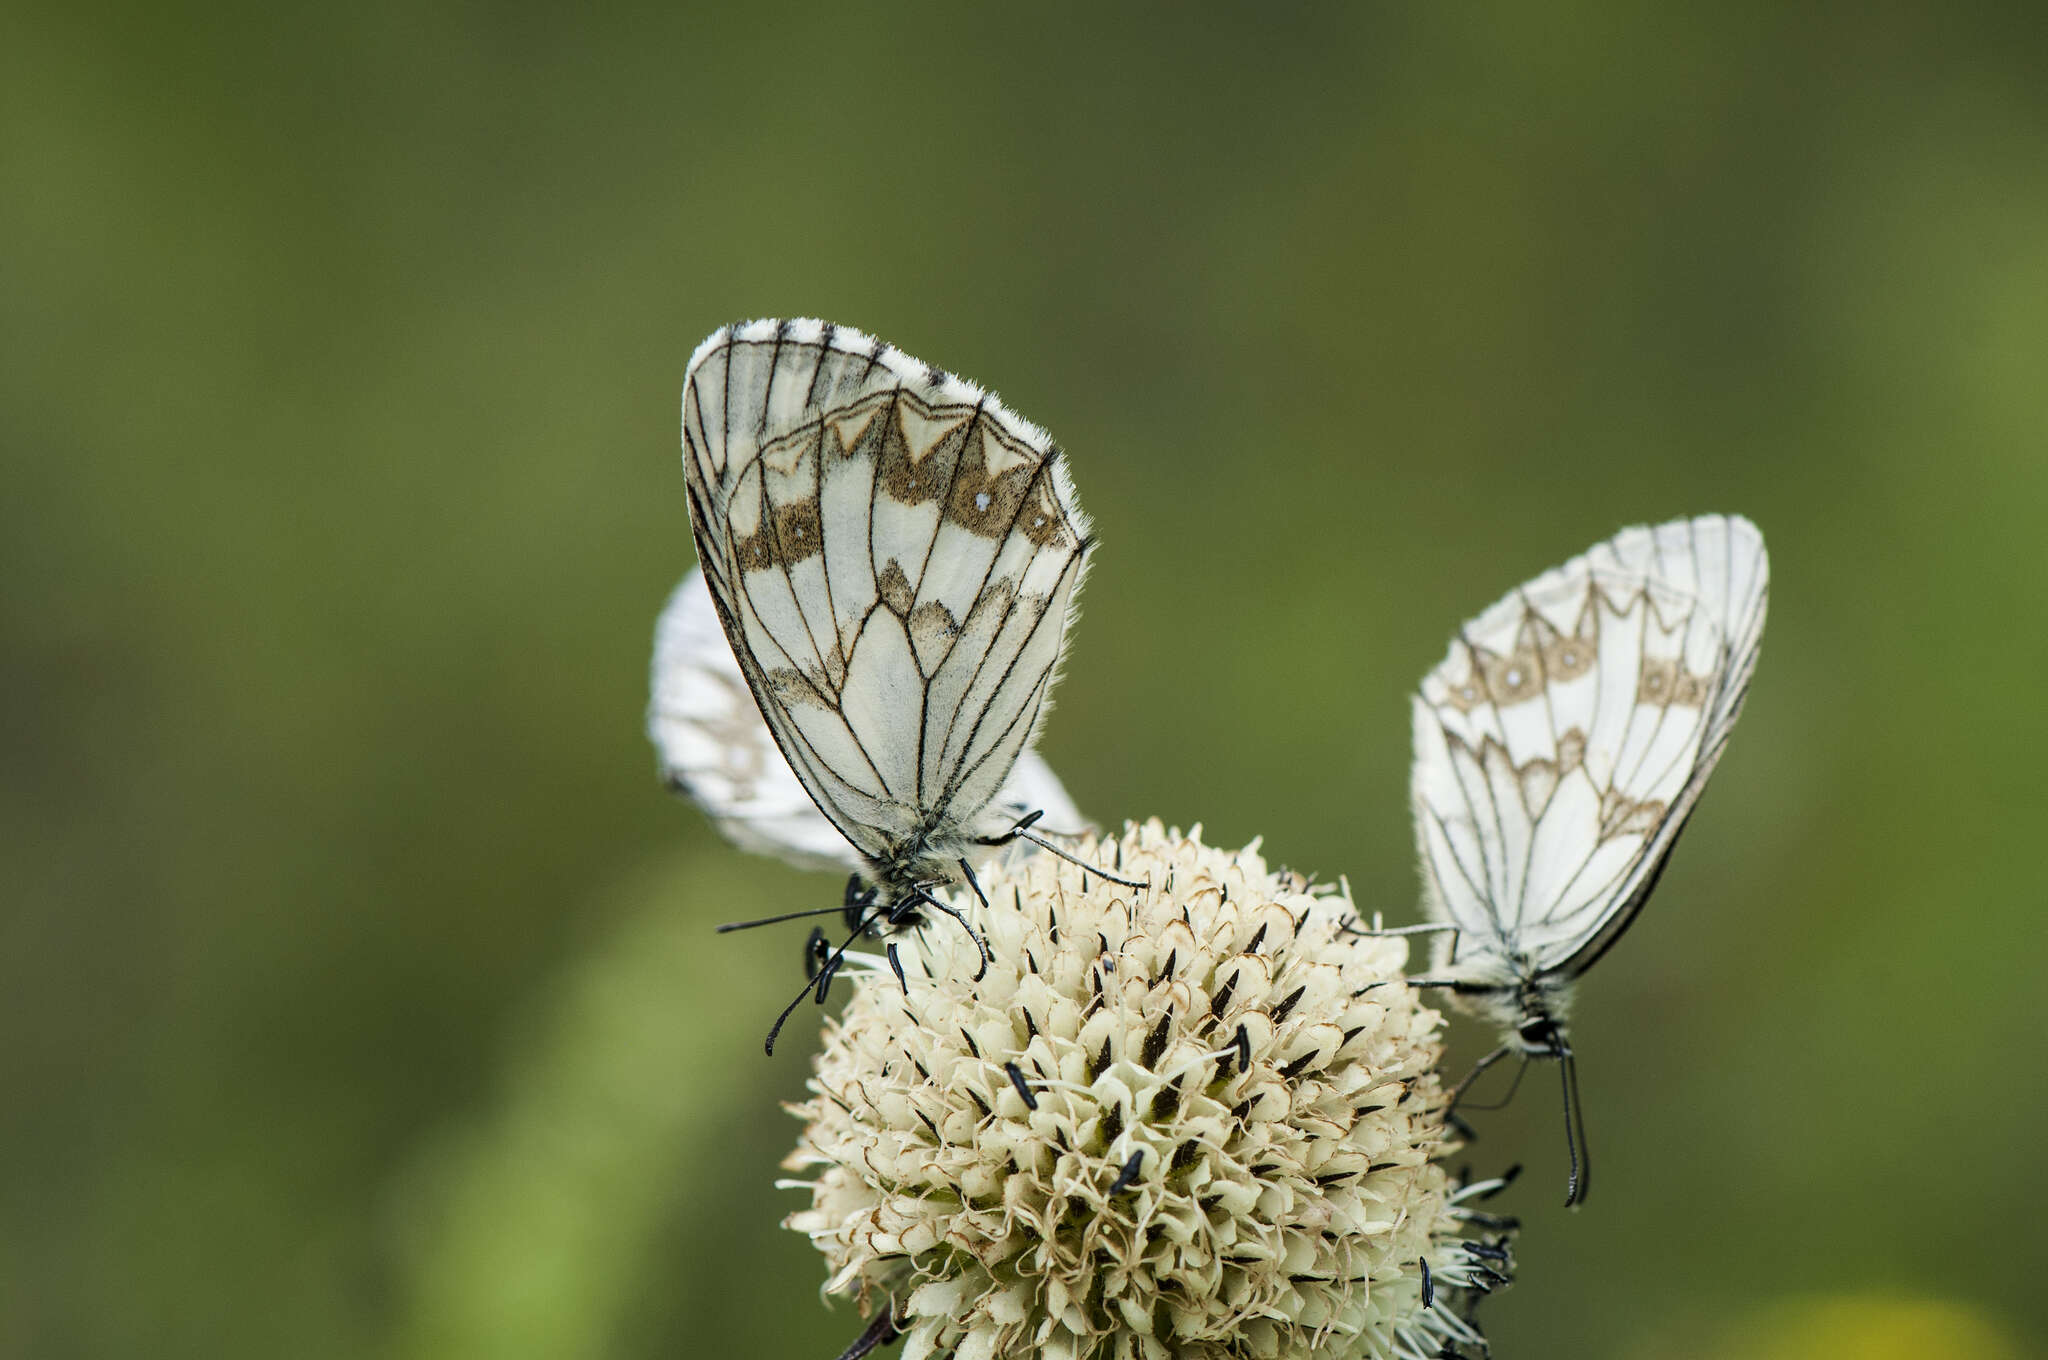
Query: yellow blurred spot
pixel 1869 1327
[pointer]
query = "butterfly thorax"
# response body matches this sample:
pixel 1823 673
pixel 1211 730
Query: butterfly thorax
pixel 911 868
pixel 929 852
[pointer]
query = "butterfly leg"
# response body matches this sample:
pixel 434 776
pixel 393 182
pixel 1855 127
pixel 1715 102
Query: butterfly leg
pixel 825 971
pixel 1022 832
pixel 1033 819
pixel 987 955
pixel 1478 1069
pixel 1379 931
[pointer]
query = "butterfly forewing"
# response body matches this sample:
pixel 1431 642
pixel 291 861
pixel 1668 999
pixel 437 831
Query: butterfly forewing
pixel 893 554
pixel 1562 743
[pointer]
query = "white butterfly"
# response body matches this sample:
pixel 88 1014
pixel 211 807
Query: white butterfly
pixel 1559 749
pixel 713 745
pixel 893 555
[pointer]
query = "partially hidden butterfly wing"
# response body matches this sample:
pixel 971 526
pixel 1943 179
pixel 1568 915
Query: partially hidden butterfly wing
pixel 893 554
pixel 1563 741
pixel 713 746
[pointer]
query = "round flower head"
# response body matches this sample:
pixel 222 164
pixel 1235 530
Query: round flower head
pixel 1198 1119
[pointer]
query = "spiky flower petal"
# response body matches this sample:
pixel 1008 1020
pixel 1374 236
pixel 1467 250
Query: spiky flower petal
pixel 1197 1120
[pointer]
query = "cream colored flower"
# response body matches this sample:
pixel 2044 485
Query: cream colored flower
pixel 1193 1120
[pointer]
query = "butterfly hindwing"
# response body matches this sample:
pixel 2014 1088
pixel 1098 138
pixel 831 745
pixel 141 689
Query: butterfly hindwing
pixel 1563 741
pixel 713 746
pixel 893 554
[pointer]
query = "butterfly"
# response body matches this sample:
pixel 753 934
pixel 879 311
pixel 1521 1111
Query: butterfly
pixel 1559 749
pixel 893 557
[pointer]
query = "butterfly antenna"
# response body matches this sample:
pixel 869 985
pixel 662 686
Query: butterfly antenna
pixel 731 926
pixel 879 1333
pixel 1575 1134
pixel 825 971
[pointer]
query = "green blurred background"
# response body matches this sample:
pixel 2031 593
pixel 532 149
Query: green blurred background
pixel 359 996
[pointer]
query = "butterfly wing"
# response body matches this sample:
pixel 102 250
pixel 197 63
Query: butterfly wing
pixel 713 746
pixel 1563 741
pixel 893 555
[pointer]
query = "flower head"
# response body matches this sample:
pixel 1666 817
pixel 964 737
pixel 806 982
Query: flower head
pixel 1199 1119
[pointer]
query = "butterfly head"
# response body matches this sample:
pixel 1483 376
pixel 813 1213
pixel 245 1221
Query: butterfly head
pixel 893 892
pixel 1533 1017
pixel 1540 1036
